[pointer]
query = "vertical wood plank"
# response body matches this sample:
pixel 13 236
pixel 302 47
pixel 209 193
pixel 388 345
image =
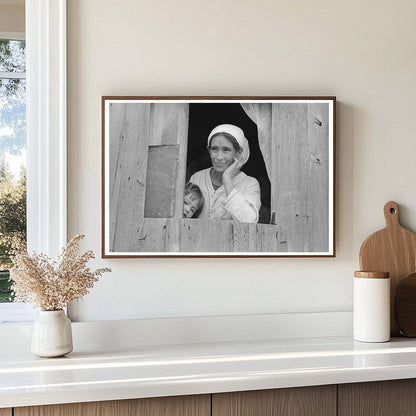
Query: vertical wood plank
pixel 300 401
pixel 173 226
pixel 220 236
pixel 151 235
pixel 206 236
pixel 317 224
pixel 5 412
pixel 116 114
pixel 164 124
pixel 267 238
pixel 169 125
pixel 241 236
pixel 381 398
pixel 252 238
pixel 183 125
pixel 160 406
pixel 193 235
pixel 256 238
pixel 282 239
pixel 127 195
pixel 161 177
pixel 289 171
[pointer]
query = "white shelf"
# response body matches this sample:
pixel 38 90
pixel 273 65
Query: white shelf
pixel 149 371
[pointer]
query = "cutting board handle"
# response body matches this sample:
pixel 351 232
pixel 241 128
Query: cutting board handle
pixel 391 214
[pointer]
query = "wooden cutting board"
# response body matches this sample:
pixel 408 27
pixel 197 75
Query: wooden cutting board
pixel 393 250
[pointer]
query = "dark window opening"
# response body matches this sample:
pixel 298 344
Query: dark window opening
pixel 202 119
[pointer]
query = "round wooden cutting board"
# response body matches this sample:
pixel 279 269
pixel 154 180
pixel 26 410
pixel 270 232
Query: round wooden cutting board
pixel 393 250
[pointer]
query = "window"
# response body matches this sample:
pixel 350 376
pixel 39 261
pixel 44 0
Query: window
pixel 12 154
pixel 45 134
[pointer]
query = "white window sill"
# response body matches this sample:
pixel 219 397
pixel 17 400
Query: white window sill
pixel 16 313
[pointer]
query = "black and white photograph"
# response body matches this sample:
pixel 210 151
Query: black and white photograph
pixel 218 176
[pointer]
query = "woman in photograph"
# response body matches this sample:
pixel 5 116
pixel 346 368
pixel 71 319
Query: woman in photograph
pixel 228 193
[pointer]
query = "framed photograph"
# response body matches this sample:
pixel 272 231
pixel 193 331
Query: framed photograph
pixel 218 177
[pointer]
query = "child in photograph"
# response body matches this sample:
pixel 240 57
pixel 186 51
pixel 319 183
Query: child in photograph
pixel 193 201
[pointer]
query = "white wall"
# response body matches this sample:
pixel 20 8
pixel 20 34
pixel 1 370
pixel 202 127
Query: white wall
pixel 361 51
pixel 12 17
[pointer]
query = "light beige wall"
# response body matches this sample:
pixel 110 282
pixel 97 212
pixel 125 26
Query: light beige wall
pixel 361 51
pixel 12 18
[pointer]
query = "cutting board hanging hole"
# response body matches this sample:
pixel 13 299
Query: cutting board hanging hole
pixel 391 213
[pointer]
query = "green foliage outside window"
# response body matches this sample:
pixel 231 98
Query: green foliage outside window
pixel 12 145
pixel 12 223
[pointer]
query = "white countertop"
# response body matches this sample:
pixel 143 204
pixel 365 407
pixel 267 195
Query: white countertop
pixel 200 368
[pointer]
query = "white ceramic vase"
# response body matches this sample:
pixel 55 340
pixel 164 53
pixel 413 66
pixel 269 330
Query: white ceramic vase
pixel 52 334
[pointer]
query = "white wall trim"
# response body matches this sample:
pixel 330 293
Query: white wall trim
pixel 13 75
pixel 12 35
pixel 16 312
pixel 114 335
pixel 46 134
pixel 46 125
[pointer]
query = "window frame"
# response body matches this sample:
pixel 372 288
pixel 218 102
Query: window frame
pixel 12 35
pixel 12 312
pixel 46 127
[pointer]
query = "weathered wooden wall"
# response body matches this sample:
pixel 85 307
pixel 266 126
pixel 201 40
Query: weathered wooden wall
pixel 133 128
pixel 129 141
pixel 317 232
pixel 191 235
pixel 299 191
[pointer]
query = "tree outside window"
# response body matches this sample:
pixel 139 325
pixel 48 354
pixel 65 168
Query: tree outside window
pixel 12 155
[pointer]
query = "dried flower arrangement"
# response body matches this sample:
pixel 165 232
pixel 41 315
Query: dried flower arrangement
pixel 52 285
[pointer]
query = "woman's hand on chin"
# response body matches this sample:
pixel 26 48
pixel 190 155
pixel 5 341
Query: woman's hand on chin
pixel 232 170
pixel 229 174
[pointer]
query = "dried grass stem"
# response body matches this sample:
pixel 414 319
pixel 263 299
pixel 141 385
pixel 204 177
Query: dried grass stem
pixel 53 285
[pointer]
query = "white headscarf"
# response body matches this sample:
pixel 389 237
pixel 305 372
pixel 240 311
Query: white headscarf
pixel 238 134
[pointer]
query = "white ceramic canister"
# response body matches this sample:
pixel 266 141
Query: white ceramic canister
pixel 52 334
pixel 371 307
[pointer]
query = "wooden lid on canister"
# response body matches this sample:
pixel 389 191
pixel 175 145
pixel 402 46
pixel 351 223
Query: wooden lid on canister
pixel 372 275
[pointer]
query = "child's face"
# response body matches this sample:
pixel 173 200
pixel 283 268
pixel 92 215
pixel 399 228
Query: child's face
pixel 190 205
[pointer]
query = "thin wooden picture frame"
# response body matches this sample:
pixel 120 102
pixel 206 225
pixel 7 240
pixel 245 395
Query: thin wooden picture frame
pixel 153 145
